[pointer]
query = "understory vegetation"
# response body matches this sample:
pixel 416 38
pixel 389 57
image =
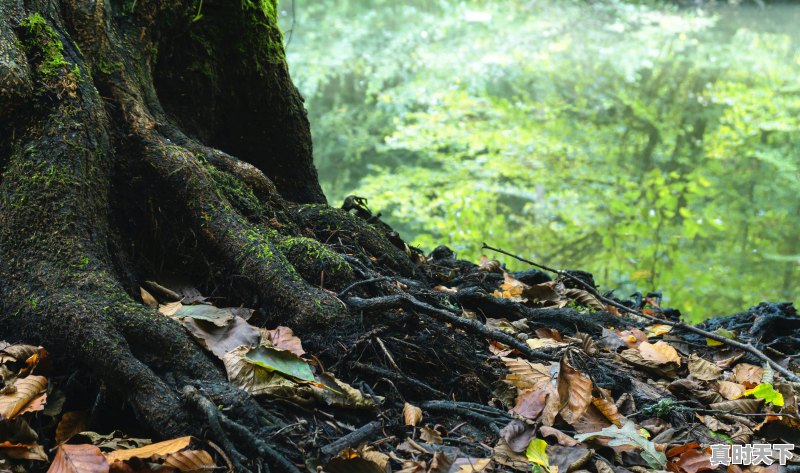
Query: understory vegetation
pixel 654 146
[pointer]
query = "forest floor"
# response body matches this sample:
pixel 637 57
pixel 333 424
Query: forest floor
pixel 467 367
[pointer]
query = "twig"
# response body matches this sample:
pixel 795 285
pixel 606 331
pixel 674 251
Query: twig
pixel 449 406
pixel 405 300
pixel 399 377
pixel 349 288
pixel 353 438
pixel 678 325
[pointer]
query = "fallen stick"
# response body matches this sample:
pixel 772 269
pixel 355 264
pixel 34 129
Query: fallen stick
pixel 678 325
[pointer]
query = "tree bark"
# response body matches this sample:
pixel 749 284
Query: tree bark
pixel 119 123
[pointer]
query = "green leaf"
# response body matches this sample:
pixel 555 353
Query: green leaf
pixel 720 331
pixel 281 361
pixel 537 454
pixel 628 435
pixel 766 392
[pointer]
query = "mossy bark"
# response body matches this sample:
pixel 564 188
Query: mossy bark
pixel 141 135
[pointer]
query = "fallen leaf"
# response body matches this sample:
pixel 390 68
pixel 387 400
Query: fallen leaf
pixel 530 403
pixel 608 409
pixel 280 361
pixel 220 340
pixel 29 396
pixel 744 406
pixel 251 377
pixel 561 437
pixel 470 465
pixel 536 453
pixel 730 390
pixel 71 423
pixel 629 435
pixel 767 393
pixel 79 459
pixel 283 338
pixel 568 459
pixel 148 298
pixel 191 461
pixel 574 390
pixel 703 370
pixel 747 374
pixel 411 414
pixel 21 451
pixel 161 448
pixel 526 375
pixel 657 330
pixel 632 337
pixel 694 460
pixel 659 352
pixel 517 435
pixel 429 435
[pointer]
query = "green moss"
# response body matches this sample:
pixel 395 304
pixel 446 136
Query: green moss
pixel 239 194
pixel 43 43
pixel 313 258
pixel 108 67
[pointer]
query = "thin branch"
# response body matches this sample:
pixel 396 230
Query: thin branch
pixel 678 325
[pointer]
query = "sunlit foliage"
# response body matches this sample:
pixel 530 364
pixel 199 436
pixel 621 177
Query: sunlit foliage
pixel 656 147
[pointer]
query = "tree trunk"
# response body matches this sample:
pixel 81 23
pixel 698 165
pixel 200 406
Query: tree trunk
pixel 119 123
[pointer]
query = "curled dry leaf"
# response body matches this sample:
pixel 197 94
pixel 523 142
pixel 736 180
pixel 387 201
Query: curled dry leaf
pixel 561 437
pixel 411 414
pixel 702 369
pixel 28 396
pixel 221 340
pixel 584 298
pixel 161 448
pixel 148 298
pixel 79 459
pixel 429 435
pixel 574 390
pixel 608 409
pixel 23 451
pixel 445 289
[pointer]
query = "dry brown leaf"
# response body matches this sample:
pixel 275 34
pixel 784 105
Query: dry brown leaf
pixel 747 374
pixel 411 414
pixel 79 459
pixel 471 465
pixel 574 390
pixel 503 455
pixel 703 369
pixel 253 378
pixel 695 460
pixel 221 340
pixel 170 308
pixel 549 333
pixel 660 352
pixel 489 265
pixel 29 396
pixel 526 375
pixel 634 357
pixel 568 459
pixel 283 338
pixel 585 298
pixel 552 406
pixel 148 298
pixel 161 448
pixel 632 337
pixel 191 460
pixel 730 390
pixel 538 343
pixel 608 409
pixel 429 435
pixel 744 406
pixel 517 435
pixel 530 403
pixel 23 451
pixel 561 437
pixel 73 422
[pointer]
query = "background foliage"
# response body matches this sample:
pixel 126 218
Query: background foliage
pixel 657 147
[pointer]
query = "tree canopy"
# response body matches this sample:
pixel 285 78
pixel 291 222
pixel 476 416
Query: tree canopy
pixel 654 145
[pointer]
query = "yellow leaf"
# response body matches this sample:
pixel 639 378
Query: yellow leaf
pixel 161 448
pixel 659 352
pixel 411 414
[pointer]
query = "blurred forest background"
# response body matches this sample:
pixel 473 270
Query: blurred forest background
pixel 656 146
